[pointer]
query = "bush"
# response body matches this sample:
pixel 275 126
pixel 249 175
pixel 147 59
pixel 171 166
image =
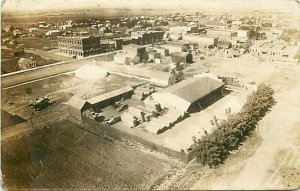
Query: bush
pixel 28 90
pixel 213 149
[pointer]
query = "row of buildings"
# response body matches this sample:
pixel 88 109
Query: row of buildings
pixel 134 54
pixel 81 46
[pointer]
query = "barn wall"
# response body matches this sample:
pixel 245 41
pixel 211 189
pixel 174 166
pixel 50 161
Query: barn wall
pixel 75 112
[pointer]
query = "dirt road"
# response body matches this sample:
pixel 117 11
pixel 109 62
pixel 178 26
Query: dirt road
pixel 276 163
pixel 277 130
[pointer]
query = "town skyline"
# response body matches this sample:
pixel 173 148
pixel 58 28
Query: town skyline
pixel 31 6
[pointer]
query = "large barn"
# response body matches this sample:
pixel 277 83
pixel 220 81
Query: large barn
pixel 189 94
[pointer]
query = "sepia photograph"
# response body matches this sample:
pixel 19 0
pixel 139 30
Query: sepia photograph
pixel 150 95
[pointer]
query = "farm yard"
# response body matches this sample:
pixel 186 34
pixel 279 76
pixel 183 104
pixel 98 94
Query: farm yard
pixel 71 141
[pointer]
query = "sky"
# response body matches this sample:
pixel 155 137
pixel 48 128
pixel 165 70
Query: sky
pixel 52 5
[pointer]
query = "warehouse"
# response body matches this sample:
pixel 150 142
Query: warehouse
pixel 77 106
pixel 107 99
pixel 188 95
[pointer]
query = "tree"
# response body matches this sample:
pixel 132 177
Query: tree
pixel 213 148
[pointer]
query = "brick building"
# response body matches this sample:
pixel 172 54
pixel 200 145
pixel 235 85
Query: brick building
pixel 79 46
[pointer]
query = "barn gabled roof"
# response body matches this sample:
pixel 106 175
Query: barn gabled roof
pixel 193 89
pixel 76 102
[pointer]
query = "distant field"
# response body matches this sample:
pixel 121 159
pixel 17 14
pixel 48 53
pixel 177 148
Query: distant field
pixel 37 43
pixel 26 20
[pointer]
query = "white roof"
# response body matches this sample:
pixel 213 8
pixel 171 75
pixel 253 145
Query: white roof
pixel 76 102
pixel 109 95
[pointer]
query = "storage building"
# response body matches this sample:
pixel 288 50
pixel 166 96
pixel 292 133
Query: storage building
pixel 77 106
pixel 107 99
pixel 189 94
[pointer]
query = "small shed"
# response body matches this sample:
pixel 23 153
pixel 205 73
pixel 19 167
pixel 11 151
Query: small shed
pixel 77 106
pixel 182 57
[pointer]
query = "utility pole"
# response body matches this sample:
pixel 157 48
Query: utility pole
pixel 30 118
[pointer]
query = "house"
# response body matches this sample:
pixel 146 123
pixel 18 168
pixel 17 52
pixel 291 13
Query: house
pixel 164 79
pixel 182 57
pixel 77 106
pixel 101 101
pixel 190 94
pixel 25 63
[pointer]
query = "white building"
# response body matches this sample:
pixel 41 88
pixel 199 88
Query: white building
pixel 202 41
pixel 52 32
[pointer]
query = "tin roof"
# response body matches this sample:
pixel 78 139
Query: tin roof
pixel 109 95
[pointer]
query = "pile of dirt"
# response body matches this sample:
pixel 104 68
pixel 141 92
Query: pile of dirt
pixel 8 119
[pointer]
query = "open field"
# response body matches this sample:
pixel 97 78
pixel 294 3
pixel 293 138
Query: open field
pixel 38 42
pixel 65 156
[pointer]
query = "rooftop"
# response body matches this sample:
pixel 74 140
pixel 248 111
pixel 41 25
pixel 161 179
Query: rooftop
pixel 76 102
pixel 109 95
pixel 180 54
pixel 194 88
